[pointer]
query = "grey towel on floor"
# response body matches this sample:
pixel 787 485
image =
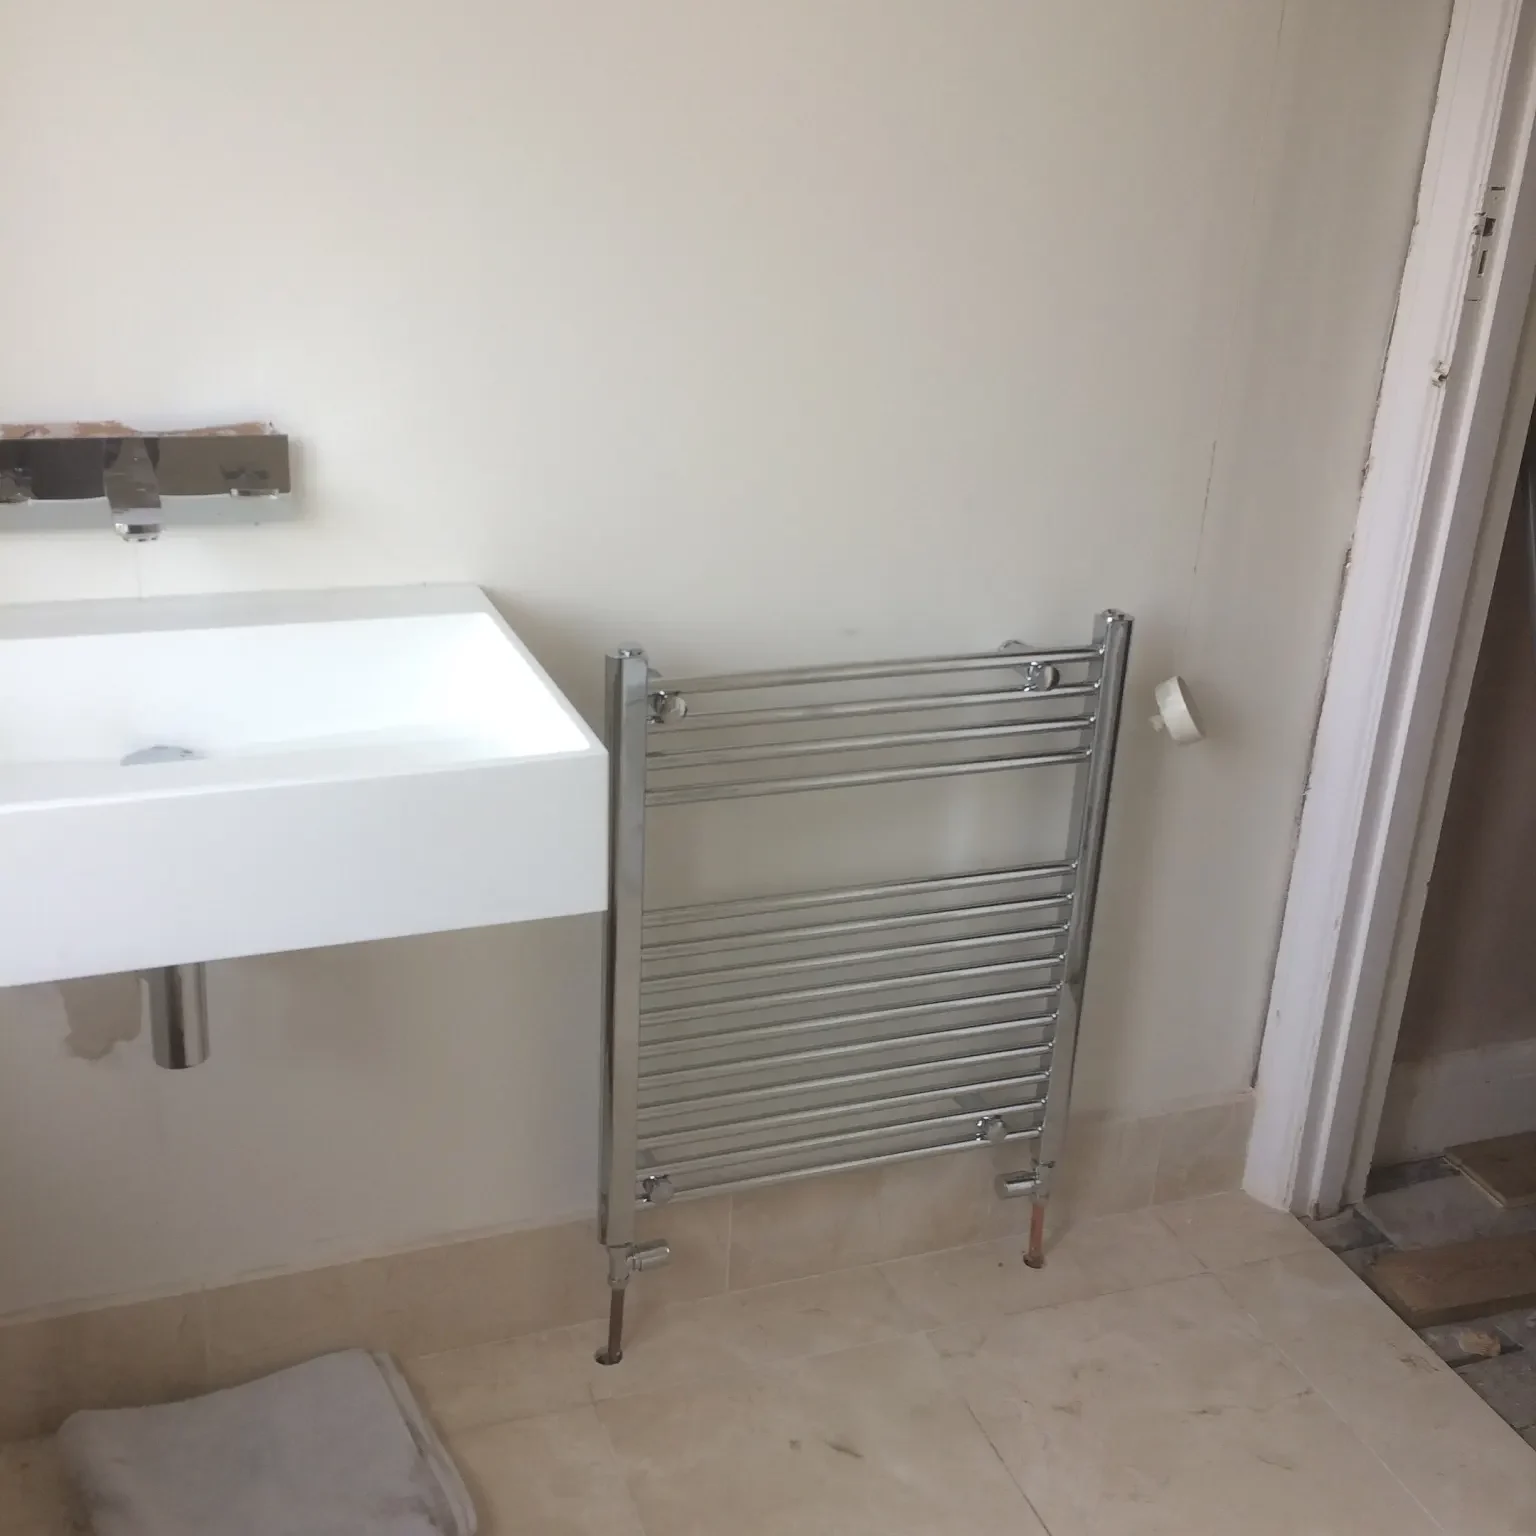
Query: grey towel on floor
pixel 336 1447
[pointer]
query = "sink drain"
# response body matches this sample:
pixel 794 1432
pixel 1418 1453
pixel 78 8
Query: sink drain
pixel 160 754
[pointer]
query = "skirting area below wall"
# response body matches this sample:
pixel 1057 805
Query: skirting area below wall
pixel 484 1289
pixel 1462 1096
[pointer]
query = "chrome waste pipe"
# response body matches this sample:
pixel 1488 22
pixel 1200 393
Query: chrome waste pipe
pixel 176 1000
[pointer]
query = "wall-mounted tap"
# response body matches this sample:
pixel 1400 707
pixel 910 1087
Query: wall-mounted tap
pixel 132 489
pixel 139 477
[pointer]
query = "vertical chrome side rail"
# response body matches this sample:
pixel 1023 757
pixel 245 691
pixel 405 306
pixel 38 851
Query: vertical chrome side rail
pixel 1090 809
pixel 628 715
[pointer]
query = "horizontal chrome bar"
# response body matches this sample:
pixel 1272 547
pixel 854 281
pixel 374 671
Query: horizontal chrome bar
pixel 678 948
pixel 761 906
pixel 704 757
pixel 713 1071
pixel 857 1019
pixel 716 1100
pixel 723 1039
pixel 757 1123
pixel 857 672
pixel 686 1011
pixel 741 789
pixel 757 1153
pixel 849 1165
pixel 713 976
pixel 790 714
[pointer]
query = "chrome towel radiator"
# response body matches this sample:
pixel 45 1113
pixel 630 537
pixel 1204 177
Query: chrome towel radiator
pixel 747 1042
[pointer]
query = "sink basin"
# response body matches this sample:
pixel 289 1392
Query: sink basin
pixel 302 768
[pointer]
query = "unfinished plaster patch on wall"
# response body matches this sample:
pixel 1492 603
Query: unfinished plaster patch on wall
pixel 99 1012
pixel 50 430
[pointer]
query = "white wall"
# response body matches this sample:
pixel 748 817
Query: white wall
pixel 751 331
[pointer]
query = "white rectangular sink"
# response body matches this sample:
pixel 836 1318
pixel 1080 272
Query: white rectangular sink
pixel 364 764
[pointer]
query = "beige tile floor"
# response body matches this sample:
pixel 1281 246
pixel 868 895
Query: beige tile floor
pixel 1198 1368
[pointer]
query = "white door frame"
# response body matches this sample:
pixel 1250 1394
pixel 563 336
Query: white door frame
pixel 1445 394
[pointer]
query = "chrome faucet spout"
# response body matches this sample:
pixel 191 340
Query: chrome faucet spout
pixel 132 487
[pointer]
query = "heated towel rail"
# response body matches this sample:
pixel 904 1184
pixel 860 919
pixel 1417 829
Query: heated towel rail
pixel 752 1041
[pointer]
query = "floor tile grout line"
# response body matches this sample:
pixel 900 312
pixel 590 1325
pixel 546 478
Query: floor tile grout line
pixel 954 1394
pixel 1323 1397
pixel 704 1379
pixel 923 1330
pixel 1115 1289
pixel 999 1240
pixel 965 1402
pixel 730 1237
pixel 874 1266
pixel 1004 1240
pixel 923 1327
pixel 682 1302
pixel 1071 1301
pixel 1183 1246
pixel 959 1396
pixel 618 1466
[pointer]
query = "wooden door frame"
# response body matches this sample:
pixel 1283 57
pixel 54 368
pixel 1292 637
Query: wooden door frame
pixel 1408 599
